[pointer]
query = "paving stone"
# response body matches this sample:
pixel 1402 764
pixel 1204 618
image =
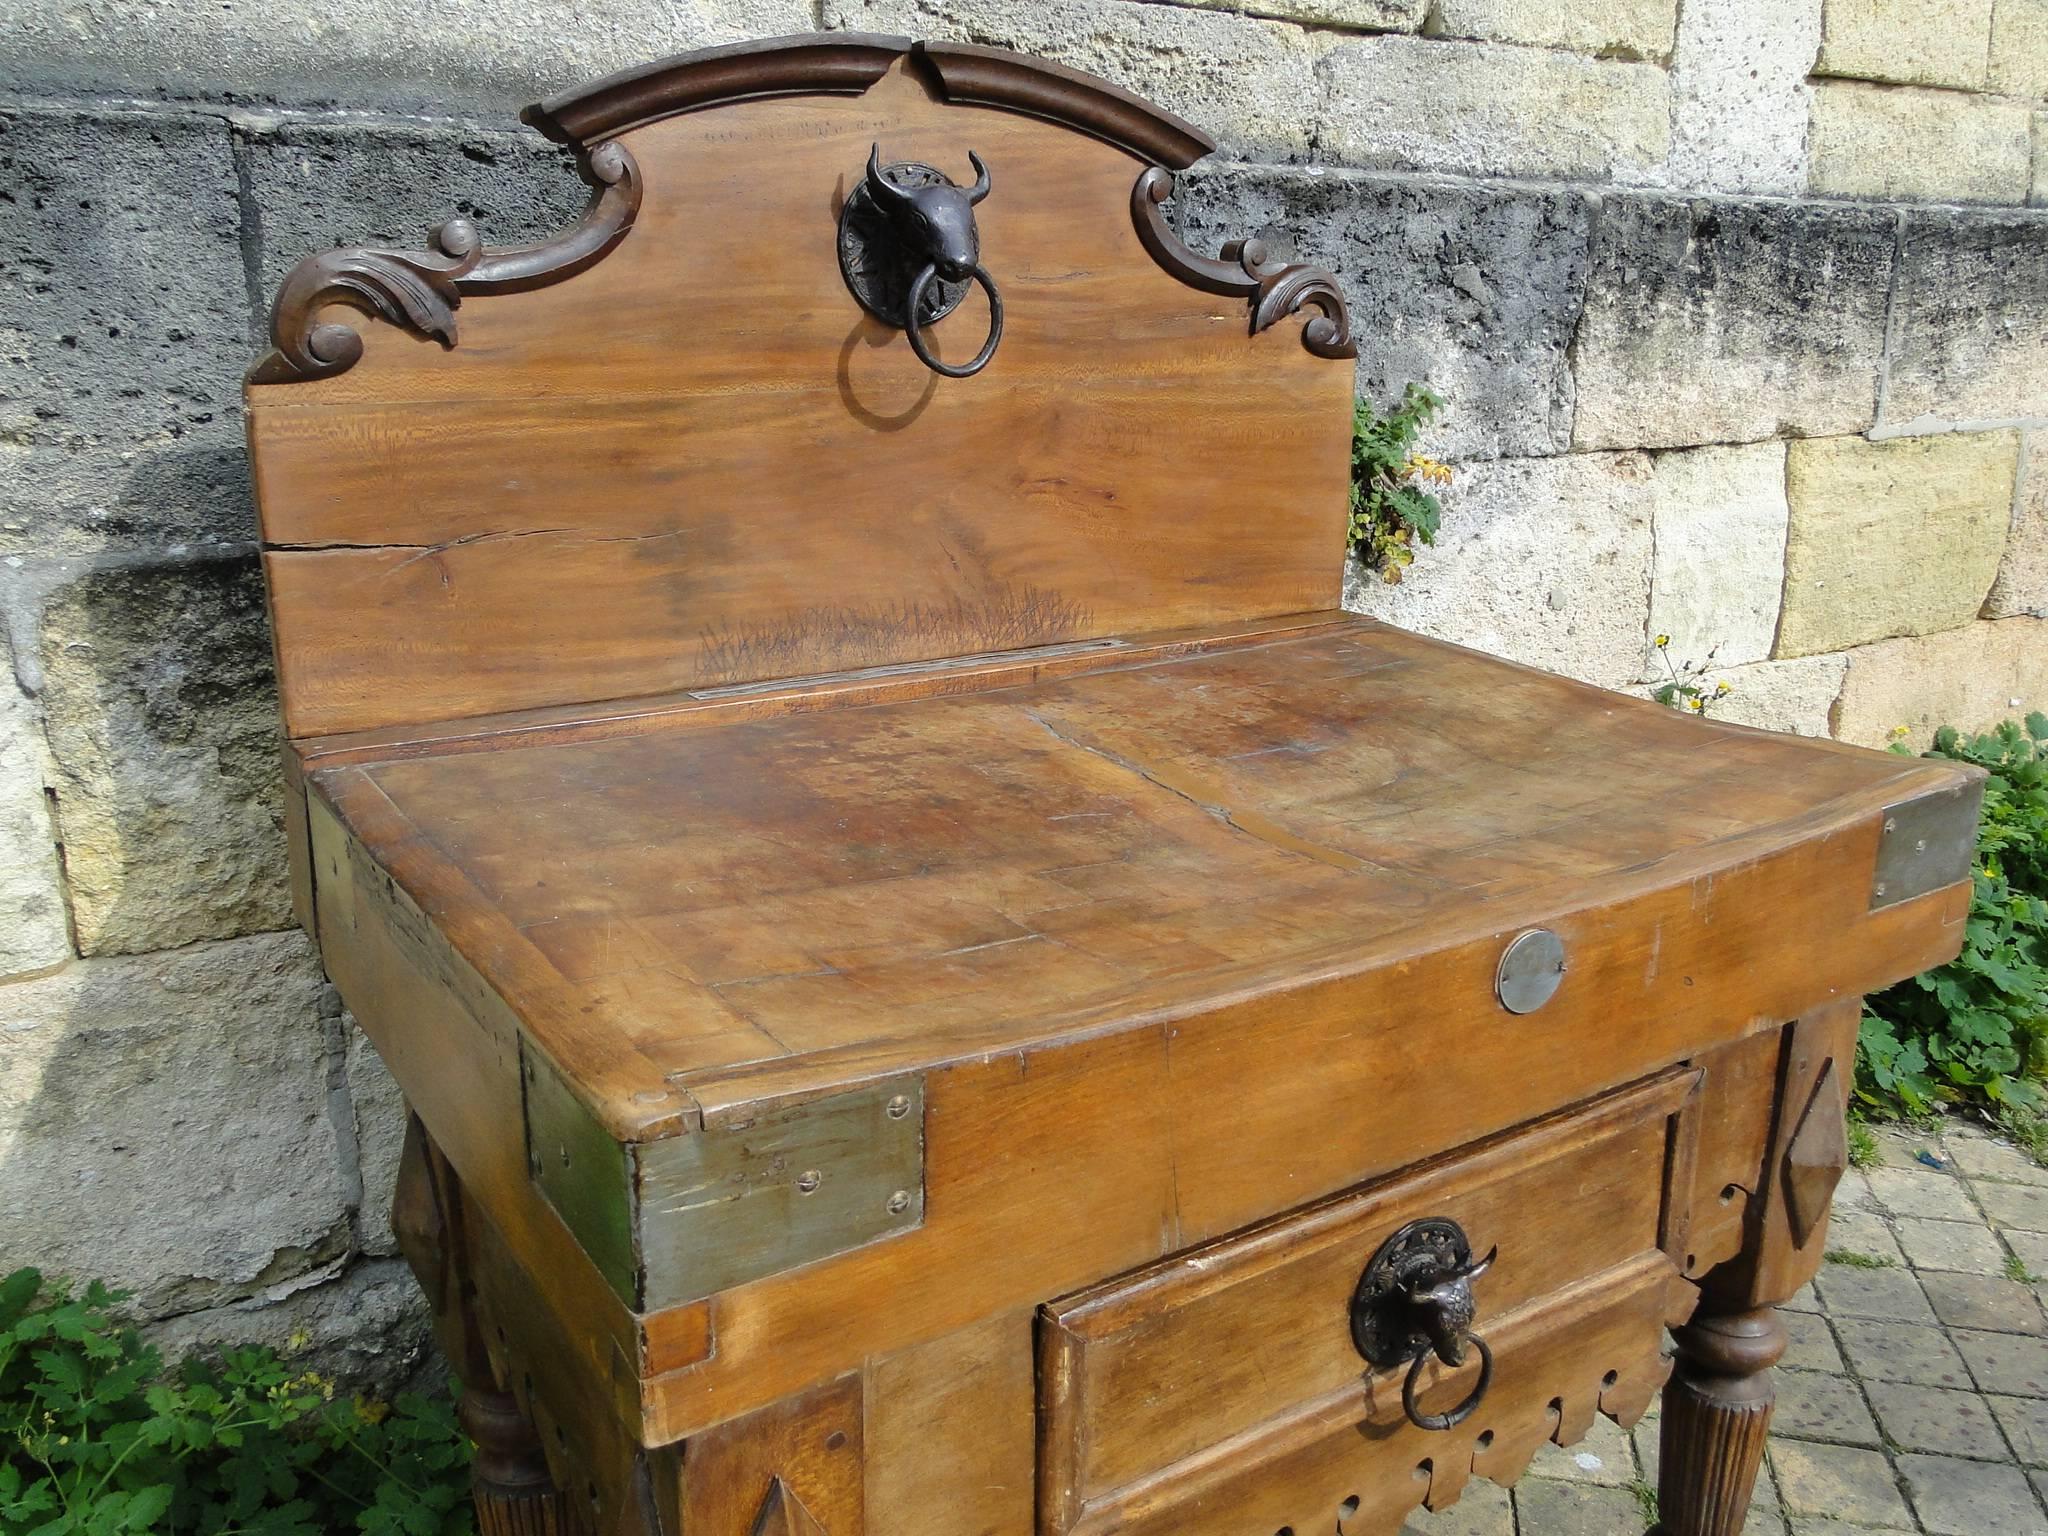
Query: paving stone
pixel 1923 1192
pixel 1969 1498
pixel 2021 1206
pixel 1969 678
pixel 1602 1457
pixel 2031 1248
pixel 1854 1193
pixel 1848 1290
pixel 1803 1300
pixel 1903 142
pixel 2010 1364
pixel 1838 1481
pixel 1982 1158
pixel 1936 1420
pixel 1972 319
pixel 1483 1509
pixel 1907 42
pixel 1888 1351
pixel 1471 290
pixel 1809 1343
pixel 1570 1509
pixel 2025 1422
pixel 1717 322
pixel 1950 1245
pixel 1477 109
pixel 1860 1232
pixel 1740 98
pixel 1815 1406
pixel 1852 574
pixel 1989 1302
pixel 1902 1148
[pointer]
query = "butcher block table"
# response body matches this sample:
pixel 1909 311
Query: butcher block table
pixel 944 987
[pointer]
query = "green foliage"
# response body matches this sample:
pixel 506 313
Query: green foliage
pixel 1863 1148
pixel 1849 1258
pixel 1686 687
pixel 1976 1030
pixel 1389 510
pixel 96 1440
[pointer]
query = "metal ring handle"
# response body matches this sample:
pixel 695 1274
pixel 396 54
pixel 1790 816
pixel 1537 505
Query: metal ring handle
pixel 1464 1410
pixel 915 332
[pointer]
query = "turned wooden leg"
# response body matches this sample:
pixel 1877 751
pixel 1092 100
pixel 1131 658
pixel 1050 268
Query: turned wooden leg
pixel 515 1496
pixel 1717 1409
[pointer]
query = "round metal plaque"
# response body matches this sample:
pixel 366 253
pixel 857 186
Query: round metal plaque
pixel 878 268
pixel 1531 969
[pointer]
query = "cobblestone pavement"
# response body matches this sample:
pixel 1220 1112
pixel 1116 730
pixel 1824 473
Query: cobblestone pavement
pixel 1914 1396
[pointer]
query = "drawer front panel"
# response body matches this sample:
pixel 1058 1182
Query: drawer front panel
pixel 1155 1369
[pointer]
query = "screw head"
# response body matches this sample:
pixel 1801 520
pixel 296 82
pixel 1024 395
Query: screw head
pixel 899 1202
pixel 808 1180
pixel 899 1106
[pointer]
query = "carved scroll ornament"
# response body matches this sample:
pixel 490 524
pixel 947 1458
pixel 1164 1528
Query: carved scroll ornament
pixel 422 290
pixel 1247 269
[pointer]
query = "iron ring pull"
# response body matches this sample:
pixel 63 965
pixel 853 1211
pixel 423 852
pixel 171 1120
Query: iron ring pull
pixel 914 328
pixel 1464 1410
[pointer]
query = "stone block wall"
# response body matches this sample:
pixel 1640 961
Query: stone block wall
pixel 1740 308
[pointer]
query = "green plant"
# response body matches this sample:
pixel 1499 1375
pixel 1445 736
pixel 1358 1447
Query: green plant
pixel 1849 1258
pixel 1976 1029
pixel 1646 1500
pixel 1863 1148
pixel 1686 687
pixel 96 1440
pixel 2016 1269
pixel 1389 509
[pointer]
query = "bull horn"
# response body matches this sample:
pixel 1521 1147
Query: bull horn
pixel 880 187
pixel 979 190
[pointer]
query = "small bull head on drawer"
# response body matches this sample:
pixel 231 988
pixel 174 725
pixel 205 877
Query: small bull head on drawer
pixel 936 221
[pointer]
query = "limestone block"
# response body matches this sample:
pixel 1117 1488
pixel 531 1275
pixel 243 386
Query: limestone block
pixel 1719 521
pixel 1716 322
pixel 1970 320
pixel 378 1110
pixel 1907 42
pixel 1970 678
pixel 163 732
pixel 318 186
pixel 34 933
pixel 1796 696
pixel 1471 290
pixel 366 1328
pixel 1918 145
pixel 124 329
pixel 1480 109
pixel 353 53
pixel 1248 82
pixel 2022 585
pixel 1892 538
pixel 2039 193
pixel 1740 98
pixel 1543 561
pixel 1365 15
pixel 2019 48
pixel 163 1123
pixel 1635 29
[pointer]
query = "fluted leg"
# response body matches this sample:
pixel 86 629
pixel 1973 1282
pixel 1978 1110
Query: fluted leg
pixel 515 1496
pixel 1717 1409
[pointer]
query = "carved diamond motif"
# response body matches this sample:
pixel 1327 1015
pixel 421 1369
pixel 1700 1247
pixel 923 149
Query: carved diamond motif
pixel 1817 1156
pixel 783 1514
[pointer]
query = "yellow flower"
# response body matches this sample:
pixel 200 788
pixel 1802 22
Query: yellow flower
pixel 1722 687
pixel 1697 706
pixel 1662 641
pixel 1433 470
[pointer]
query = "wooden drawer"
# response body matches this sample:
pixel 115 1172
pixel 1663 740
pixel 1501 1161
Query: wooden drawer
pixel 1221 1390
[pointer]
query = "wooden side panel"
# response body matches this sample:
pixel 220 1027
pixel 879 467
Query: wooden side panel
pixel 1738 1094
pixel 793 1469
pixel 699 462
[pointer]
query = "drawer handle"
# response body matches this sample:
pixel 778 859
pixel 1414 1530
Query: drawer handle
pixel 1415 1300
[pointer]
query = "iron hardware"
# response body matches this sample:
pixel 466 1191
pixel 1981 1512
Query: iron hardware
pixel 1415 1300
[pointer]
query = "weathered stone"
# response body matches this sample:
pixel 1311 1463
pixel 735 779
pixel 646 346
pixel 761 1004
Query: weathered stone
pixel 125 332
pixel 1718 522
pixel 1717 322
pixel 1796 696
pixel 1839 1480
pixel 317 186
pixel 1366 15
pixel 365 1328
pixel 163 1123
pixel 1250 83
pixel 1563 1509
pixel 1907 42
pixel 1923 1192
pixel 378 1111
pixel 1631 29
pixel 1544 561
pixel 1483 1509
pixel 1851 1290
pixel 1909 143
pixel 163 732
pixel 1487 110
pixel 1601 1456
pixel 1936 1419
pixel 1470 290
pixel 1813 1406
pixel 2019 48
pixel 1740 98
pixel 2021 588
pixel 1970 678
pixel 1868 521
pixel 1809 1345
pixel 2039 193
pixel 2024 1206
pixel 34 933
pixel 1957 1497
pixel 1882 1350
pixel 2025 1421
pixel 1967 1246
pixel 364 52
pixel 1971 318
pixel 1989 1302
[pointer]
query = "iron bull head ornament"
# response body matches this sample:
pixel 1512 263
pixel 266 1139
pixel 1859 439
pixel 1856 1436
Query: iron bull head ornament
pixel 909 248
